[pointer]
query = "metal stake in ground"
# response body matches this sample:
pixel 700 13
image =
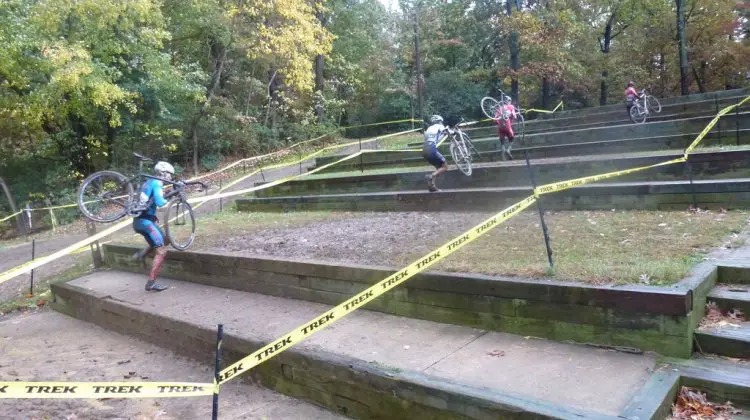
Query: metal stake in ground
pixel 692 186
pixel 261 175
pixel 33 256
pixel 737 121
pixel 541 211
pixel 217 371
pixel 718 124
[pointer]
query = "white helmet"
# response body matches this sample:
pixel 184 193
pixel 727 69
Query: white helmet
pixel 508 100
pixel 435 119
pixel 163 168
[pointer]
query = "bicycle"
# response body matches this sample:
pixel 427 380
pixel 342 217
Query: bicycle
pixel 494 110
pixel 642 107
pixel 461 147
pixel 107 196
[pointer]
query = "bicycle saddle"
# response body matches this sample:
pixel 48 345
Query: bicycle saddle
pixel 143 158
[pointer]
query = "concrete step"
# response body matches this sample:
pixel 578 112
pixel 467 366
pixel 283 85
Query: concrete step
pixel 615 117
pixel 728 126
pixel 653 195
pixel 709 96
pixel 703 166
pixel 386 159
pixel 728 297
pixel 370 364
pixel 728 340
pixel 49 346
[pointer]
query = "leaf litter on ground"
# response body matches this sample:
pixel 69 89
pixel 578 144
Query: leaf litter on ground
pixel 692 404
pixel 716 318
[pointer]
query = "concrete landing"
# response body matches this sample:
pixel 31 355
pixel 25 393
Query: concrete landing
pixel 573 376
pixel 48 346
pixel 652 195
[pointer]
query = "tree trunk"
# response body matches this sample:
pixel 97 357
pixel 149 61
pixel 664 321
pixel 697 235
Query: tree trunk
pixel 418 65
pixel 604 45
pixel 698 80
pixel 515 60
pixel 13 207
pixel 545 93
pixel 270 97
pixel 319 109
pixel 683 51
pixel 219 68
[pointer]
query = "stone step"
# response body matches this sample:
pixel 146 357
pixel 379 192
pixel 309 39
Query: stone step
pixel 386 159
pixel 729 125
pixel 370 364
pixel 729 297
pixel 49 346
pixel 704 165
pixel 616 117
pixel 709 96
pixel 728 340
pixel 652 195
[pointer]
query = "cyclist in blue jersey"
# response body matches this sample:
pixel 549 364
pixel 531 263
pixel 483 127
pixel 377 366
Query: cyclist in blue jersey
pixel 147 224
pixel 430 152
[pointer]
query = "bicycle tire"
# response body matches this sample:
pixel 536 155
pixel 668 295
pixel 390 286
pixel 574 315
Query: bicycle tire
pixel 460 156
pixel 637 115
pixel 489 107
pixel 173 220
pixel 472 149
pixel 653 104
pixel 519 128
pixel 122 199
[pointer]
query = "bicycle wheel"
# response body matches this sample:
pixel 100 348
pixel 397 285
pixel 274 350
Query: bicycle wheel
pixel 637 114
pixel 105 196
pixel 472 149
pixel 490 106
pixel 653 104
pixel 519 128
pixel 461 157
pixel 180 224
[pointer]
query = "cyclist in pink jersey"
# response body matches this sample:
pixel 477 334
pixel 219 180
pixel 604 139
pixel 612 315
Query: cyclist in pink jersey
pixel 503 117
pixel 631 95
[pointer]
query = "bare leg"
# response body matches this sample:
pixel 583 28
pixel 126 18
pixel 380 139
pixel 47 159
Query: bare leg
pixel 151 285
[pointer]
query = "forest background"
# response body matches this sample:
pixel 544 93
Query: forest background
pixel 84 83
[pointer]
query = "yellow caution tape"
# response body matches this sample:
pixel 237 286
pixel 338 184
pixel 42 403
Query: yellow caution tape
pixel 712 124
pixel 564 185
pixel 11 216
pixel 350 305
pixel 104 389
pixel 543 111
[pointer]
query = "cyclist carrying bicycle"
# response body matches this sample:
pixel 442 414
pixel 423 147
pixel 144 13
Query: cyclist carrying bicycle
pixel 631 95
pixel 503 116
pixel 430 152
pixel 147 224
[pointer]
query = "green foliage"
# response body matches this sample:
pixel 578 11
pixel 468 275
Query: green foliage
pixel 85 83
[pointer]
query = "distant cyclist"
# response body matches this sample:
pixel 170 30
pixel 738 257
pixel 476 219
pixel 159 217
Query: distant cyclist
pixel 504 116
pixel 147 224
pixel 430 152
pixel 631 95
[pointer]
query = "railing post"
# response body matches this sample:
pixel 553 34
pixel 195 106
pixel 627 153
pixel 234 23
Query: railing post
pixel 33 257
pixel 52 217
pixel 217 370
pixel 541 212
pixel 96 252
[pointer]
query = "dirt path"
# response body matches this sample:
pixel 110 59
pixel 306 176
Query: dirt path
pixel 596 246
pixel 49 346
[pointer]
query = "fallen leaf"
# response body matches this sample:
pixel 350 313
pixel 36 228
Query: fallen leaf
pixel 496 353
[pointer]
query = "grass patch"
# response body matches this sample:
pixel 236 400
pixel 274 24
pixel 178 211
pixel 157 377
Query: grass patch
pixel 42 291
pixel 657 248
